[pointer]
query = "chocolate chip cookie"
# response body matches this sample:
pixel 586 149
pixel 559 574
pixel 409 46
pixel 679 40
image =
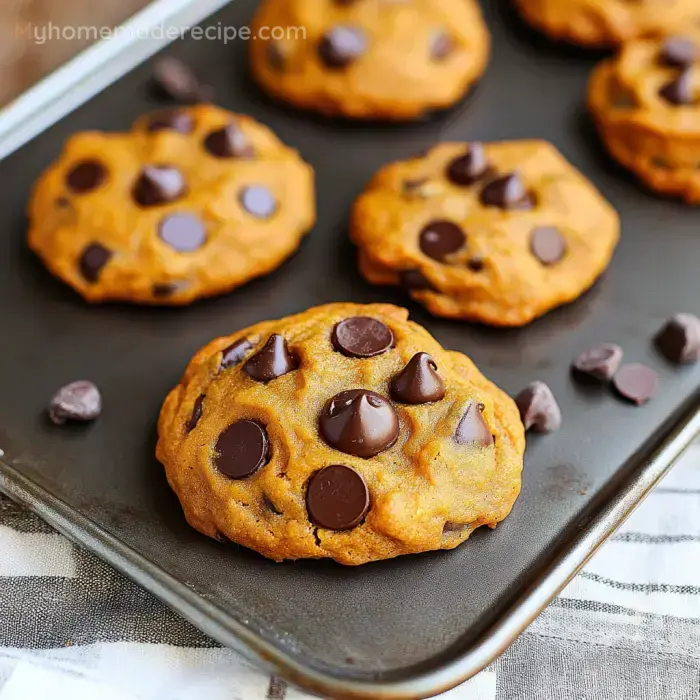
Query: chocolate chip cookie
pixel 498 233
pixel 192 202
pixel 646 105
pixel 380 59
pixel 600 23
pixel 345 431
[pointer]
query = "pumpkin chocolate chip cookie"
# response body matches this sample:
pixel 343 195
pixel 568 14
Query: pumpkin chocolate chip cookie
pixel 646 105
pixel 345 431
pixel 498 233
pixel 192 202
pixel 379 59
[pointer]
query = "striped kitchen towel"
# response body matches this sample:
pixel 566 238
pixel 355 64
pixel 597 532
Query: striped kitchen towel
pixel 627 628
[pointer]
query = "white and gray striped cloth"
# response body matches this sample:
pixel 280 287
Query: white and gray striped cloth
pixel 627 628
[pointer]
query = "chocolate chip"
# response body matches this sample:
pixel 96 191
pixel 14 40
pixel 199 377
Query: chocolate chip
pixel 159 184
pixel 636 383
pixel 679 52
pixel 93 259
pixel 600 361
pixel 472 428
pixel 418 382
pixel 440 238
pixel 414 280
pixel 276 58
pixel 178 81
pixel 476 264
pixel 359 422
pixel 272 361
pixel 234 354
pixel 242 449
pixel 86 176
pixel 679 339
pixel 679 91
pixel 171 120
pixel 258 201
pixel 229 142
pixel 442 45
pixel 182 231
pixel 361 336
pixel 538 408
pixel 342 45
pixel 80 401
pixel 466 169
pixel 337 498
pixel 547 244
pixel 506 192
pixel 196 413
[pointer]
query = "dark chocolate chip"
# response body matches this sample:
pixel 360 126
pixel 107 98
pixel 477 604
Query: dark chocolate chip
pixel 342 45
pixel 442 45
pixel 337 498
pixel 362 336
pixel 472 428
pixel 679 339
pixel 178 81
pixel 418 382
pixel 159 184
pixel 359 422
pixel 506 192
pixel 86 176
pixel 258 201
pixel 182 231
pixel 79 401
pixel 242 449
pixel 547 244
pixel 440 238
pixel 235 353
pixel 636 383
pixel 679 52
pixel 600 361
pixel 229 142
pixel 476 264
pixel 196 413
pixel 679 91
pixel 93 259
pixel 538 408
pixel 414 280
pixel 271 361
pixel 466 169
pixel 171 120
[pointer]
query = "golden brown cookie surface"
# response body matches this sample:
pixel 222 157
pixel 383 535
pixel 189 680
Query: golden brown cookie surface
pixel 645 104
pixel 599 23
pixel 384 59
pixel 192 202
pixel 498 233
pixel 345 431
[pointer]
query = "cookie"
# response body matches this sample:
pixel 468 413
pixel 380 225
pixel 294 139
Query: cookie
pixel 602 23
pixel 345 431
pixel 190 203
pixel 378 59
pixel 498 233
pixel 645 105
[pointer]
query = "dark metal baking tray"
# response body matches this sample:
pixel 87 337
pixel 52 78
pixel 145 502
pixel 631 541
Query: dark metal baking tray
pixel 397 629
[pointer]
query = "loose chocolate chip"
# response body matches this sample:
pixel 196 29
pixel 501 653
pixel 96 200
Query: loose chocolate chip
pixel 680 90
pixel 359 422
pixel 538 408
pixel 234 354
pixel 636 383
pixel 242 449
pixel 472 428
pixel 178 81
pixel 159 184
pixel 258 201
pixel 171 120
pixel 229 142
pixel 506 192
pixel 272 361
pixel 442 45
pixel 440 238
pixel 679 339
pixel 196 413
pixel 276 58
pixel 679 52
pixel 93 259
pixel 547 244
pixel 476 264
pixel 182 231
pixel 342 45
pixel 466 169
pixel 80 401
pixel 600 361
pixel 86 176
pixel 337 498
pixel 415 280
pixel 418 382
pixel 362 336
